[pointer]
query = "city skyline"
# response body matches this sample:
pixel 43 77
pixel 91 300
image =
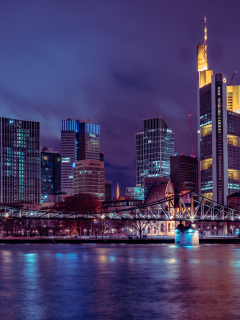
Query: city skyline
pixel 81 64
pixel 119 159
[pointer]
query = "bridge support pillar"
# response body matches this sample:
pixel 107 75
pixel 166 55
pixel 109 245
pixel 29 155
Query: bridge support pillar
pixel 186 236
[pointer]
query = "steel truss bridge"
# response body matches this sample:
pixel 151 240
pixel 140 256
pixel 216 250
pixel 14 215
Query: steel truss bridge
pixel 188 207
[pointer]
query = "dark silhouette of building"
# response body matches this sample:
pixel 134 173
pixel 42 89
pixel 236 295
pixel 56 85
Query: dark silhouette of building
pixel 108 190
pixel 101 156
pixel 184 173
pixel 50 173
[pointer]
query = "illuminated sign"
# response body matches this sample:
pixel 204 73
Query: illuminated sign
pixel 224 80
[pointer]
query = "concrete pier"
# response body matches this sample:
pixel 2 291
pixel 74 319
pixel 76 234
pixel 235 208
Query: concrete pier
pixel 186 236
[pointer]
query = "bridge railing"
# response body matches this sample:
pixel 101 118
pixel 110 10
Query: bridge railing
pixel 189 206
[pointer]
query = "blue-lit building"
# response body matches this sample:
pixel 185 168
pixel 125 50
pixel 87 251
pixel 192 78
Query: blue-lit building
pixel 80 140
pixel 19 161
pixel 88 141
pixel 154 146
pixel 50 173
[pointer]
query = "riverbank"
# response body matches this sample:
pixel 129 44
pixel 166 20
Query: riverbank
pixel 218 240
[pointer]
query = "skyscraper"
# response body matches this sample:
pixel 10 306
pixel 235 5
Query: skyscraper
pixel 19 161
pixel 69 148
pixel 184 173
pixel 80 140
pixel 50 173
pixel 154 146
pixel 88 141
pixel 88 177
pixel 219 131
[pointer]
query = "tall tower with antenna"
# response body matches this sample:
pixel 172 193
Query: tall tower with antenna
pixel 212 124
pixel 202 51
pixel 219 130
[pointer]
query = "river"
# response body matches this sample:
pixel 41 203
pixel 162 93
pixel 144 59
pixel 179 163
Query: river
pixel 160 281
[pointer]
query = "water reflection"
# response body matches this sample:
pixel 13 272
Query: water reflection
pixel 31 286
pixel 119 282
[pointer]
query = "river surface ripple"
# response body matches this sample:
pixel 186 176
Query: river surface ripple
pixel 159 281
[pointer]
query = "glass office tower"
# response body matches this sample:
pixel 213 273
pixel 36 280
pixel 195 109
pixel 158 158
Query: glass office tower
pixel 88 141
pixel 80 140
pixel 219 132
pixel 19 161
pixel 154 146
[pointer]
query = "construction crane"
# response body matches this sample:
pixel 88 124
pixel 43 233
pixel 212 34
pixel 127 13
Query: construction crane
pixel 192 155
pixel 232 78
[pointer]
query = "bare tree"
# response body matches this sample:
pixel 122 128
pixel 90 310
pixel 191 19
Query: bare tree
pixel 102 225
pixel 138 225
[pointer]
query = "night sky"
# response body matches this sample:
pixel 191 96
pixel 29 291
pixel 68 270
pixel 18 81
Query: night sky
pixel 114 62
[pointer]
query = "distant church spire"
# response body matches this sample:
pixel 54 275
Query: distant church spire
pixel 117 192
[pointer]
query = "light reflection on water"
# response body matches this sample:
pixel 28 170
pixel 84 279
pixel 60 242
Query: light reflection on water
pixel 119 282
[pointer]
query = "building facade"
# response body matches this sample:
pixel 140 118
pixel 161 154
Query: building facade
pixel 233 200
pixel 88 177
pixel 219 131
pixel 154 146
pixel 108 190
pixel 80 140
pixel 50 173
pixel 69 147
pixel 184 173
pixel 135 193
pixel 149 182
pixel 19 161
pixel 88 137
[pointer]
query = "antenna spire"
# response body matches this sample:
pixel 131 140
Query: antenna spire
pixel 205 30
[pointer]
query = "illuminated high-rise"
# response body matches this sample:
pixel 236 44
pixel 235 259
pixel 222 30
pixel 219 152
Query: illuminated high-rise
pixel 80 140
pixel 88 140
pixel 19 161
pixel 154 146
pixel 219 131
pixel 69 146
pixel 88 177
